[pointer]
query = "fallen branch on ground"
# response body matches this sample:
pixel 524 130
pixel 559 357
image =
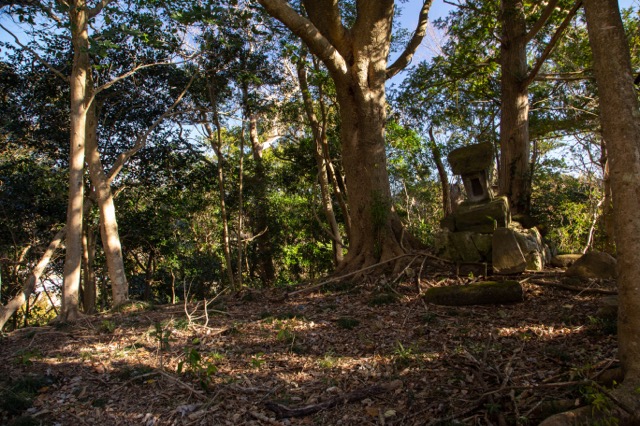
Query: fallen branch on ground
pixel 282 411
pixel 574 288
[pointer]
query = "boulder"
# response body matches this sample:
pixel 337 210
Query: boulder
pixel 564 260
pixel 507 257
pixel 465 247
pixel 483 243
pixel 443 245
pixel 593 265
pixel 533 249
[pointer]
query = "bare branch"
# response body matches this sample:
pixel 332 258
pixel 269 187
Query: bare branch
pixel 546 13
pixel 35 54
pixel 410 50
pixel 141 140
pixel 552 43
pixel 32 3
pixel 308 32
pixel 98 8
pixel 126 75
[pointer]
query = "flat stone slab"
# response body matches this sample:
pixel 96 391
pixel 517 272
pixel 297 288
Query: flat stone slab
pixel 506 253
pixel 472 158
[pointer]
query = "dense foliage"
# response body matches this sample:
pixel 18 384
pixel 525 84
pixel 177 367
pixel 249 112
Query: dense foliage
pixel 243 118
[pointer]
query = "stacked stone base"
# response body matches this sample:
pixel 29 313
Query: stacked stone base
pixel 484 233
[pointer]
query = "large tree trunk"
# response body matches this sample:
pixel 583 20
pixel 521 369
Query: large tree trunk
pixel 356 58
pixel 607 204
pixel 78 15
pixel 514 173
pixel 108 223
pixel 376 232
pixel 620 120
pixel 320 139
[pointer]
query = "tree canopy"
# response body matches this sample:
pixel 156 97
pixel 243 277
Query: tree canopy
pixel 179 151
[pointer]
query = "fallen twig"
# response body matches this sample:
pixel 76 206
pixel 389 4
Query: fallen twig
pixel 282 411
pixel 262 417
pixel 330 280
pixel 541 386
pixel 574 288
pixel 184 385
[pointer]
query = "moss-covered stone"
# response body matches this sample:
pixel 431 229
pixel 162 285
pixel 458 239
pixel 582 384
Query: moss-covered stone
pixel 464 246
pixel 485 218
pixel 483 244
pixel 482 293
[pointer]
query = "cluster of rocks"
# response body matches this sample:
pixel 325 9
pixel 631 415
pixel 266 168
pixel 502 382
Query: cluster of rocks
pixel 481 230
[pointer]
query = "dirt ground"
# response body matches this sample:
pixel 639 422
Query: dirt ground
pixel 369 354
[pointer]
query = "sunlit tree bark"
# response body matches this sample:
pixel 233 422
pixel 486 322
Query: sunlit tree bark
pixel 357 61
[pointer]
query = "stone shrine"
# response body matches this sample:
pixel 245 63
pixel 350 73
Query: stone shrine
pixel 480 230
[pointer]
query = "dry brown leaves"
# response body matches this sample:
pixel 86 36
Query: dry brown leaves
pixel 431 364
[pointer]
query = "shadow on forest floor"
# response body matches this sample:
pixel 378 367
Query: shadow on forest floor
pixel 396 359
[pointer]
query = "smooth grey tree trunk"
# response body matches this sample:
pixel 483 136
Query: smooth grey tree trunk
pixel 78 18
pixel 108 222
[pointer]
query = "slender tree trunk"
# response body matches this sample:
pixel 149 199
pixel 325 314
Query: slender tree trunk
pixel 442 174
pixel 264 253
pixel 514 173
pixel 89 281
pixel 240 209
pixel 333 174
pixel 78 15
pixel 32 281
pixel 319 136
pixel 148 276
pixel 108 223
pixel 620 120
pixel 216 145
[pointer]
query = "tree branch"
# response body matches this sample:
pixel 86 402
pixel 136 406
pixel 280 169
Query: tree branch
pixel 307 31
pixel 98 8
pixel 141 140
pixel 552 43
pixel 38 57
pixel 325 15
pixel 546 13
pixel 32 3
pixel 410 50
pixel 126 75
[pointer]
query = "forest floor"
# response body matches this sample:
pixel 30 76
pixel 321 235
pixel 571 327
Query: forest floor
pixel 370 354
